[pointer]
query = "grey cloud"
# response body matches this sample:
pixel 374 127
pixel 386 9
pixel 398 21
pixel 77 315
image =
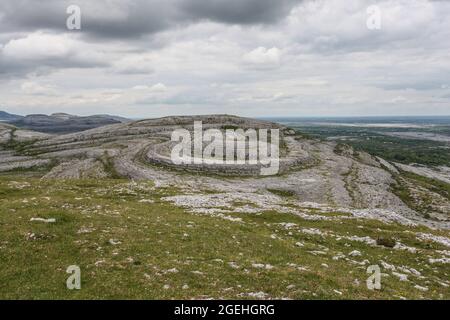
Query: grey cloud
pixel 26 15
pixel 119 19
pixel 14 68
pixel 239 11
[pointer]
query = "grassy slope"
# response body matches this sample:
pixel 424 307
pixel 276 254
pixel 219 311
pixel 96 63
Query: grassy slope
pixel 420 202
pixel 156 237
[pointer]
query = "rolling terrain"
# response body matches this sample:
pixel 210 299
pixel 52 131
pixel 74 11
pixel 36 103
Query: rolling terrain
pixel 59 123
pixel 123 213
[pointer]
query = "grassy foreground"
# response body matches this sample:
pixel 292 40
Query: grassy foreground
pixel 130 243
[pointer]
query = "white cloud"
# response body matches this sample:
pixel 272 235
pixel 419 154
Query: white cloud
pixel 159 87
pixel 39 50
pixel 38 46
pixel 399 99
pixel 263 57
pixel 34 88
pixel 135 64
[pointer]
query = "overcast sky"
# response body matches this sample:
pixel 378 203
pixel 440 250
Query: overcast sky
pixel 146 58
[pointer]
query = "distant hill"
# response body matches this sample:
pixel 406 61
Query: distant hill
pixel 5 116
pixel 118 118
pixel 64 123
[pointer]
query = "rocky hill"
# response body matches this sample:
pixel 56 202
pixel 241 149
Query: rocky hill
pixel 5 116
pixel 107 199
pixel 63 123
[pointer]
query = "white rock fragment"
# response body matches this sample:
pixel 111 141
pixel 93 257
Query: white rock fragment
pixel 431 237
pixel 401 246
pixel 262 266
pixel 85 230
pixel 288 225
pixel 312 231
pixel 98 263
pixel 361 263
pixel 410 270
pixel 421 288
pixel 290 287
pixel 355 253
pixel 440 260
pixel 444 252
pixel 367 240
pixel 257 295
pixel 388 266
pixel 50 220
pixel 339 256
pixel 146 201
pixel 114 242
pixel 197 272
pixel 317 252
pixel 401 276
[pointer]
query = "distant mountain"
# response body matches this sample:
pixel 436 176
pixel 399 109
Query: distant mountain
pixel 63 122
pixel 5 116
pixel 120 119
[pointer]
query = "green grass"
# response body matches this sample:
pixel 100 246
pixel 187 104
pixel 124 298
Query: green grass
pixel 434 185
pixel 423 203
pixel 108 166
pixel 156 237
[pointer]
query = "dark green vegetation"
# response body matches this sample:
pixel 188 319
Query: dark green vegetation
pixel 108 166
pixel 370 140
pixel 387 242
pixel 282 193
pixel 131 243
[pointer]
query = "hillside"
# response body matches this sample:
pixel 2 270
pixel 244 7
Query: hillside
pixel 64 123
pixel 5 116
pixel 123 213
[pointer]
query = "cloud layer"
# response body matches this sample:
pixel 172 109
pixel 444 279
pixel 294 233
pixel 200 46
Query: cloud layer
pixel 249 57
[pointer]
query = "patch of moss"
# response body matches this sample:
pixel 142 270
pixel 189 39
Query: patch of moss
pixel 282 193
